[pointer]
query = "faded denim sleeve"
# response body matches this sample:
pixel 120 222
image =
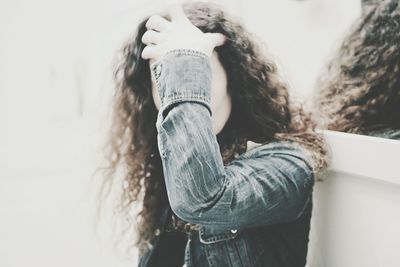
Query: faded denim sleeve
pixel 268 184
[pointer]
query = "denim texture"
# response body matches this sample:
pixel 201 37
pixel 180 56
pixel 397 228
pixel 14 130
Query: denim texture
pixel 253 212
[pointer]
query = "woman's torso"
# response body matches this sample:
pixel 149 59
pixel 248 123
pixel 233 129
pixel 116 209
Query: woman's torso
pixel 278 245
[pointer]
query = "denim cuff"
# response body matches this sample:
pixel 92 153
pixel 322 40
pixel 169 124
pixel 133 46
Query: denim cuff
pixel 183 75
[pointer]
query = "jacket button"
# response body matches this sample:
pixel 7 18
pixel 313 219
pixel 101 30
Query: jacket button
pixel 233 231
pixel 157 232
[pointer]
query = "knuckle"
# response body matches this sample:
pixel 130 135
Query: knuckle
pixel 144 37
pixel 145 52
pixel 149 21
pixel 152 22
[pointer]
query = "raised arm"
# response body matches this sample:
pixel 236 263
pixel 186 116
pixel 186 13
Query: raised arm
pixel 268 184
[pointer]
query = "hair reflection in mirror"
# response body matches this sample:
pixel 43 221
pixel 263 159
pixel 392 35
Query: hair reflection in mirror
pixel 360 90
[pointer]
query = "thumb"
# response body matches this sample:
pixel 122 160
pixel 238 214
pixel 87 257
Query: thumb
pixel 217 39
pixel 176 12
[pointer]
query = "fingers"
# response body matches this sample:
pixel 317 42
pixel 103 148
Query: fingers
pixel 163 35
pixel 151 37
pixel 151 52
pixel 157 23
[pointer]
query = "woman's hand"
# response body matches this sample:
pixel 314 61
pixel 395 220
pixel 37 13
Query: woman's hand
pixel 179 33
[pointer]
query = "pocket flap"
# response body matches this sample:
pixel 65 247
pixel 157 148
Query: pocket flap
pixel 209 235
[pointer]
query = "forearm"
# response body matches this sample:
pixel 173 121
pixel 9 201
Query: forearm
pixel 192 164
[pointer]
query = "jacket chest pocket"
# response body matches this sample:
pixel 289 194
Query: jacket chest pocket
pixel 232 247
pixel 210 235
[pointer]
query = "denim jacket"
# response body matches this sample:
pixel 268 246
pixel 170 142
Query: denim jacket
pixel 255 211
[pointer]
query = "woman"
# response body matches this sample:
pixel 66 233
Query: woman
pixel 205 126
pixel 360 91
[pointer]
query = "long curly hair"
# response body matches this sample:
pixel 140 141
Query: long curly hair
pixel 261 112
pixel 360 90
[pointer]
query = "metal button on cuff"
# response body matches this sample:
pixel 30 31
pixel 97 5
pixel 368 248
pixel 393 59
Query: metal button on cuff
pixel 157 232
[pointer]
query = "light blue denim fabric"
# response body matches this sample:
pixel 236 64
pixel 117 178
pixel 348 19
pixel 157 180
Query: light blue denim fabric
pixel 253 212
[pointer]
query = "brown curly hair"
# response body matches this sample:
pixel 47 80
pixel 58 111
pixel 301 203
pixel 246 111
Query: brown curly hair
pixel 360 90
pixel 261 112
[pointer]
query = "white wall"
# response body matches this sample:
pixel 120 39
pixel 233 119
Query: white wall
pixel 300 34
pixel 55 84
